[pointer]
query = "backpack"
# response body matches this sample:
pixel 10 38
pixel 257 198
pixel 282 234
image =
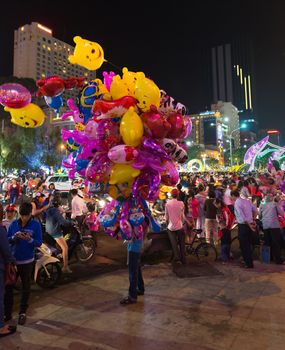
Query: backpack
pixel 231 216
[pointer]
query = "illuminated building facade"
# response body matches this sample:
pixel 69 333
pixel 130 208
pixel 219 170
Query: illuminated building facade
pixel 37 55
pixel 207 132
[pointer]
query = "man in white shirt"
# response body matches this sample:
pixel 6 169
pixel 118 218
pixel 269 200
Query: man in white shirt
pixel 78 207
pixel 245 213
pixel 174 215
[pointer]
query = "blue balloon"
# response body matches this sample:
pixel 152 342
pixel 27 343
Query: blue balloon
pixel 54 102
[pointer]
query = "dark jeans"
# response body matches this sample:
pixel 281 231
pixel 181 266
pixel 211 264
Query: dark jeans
pixel 225 244
pixel 245 241
pixel 79 220
pixel 25 272
pixel 177 238
pixel 273 239
pixel 13 199
pixel 2 288
pixel 135 275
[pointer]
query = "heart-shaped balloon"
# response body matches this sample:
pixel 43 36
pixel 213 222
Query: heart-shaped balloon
pixel 178 126
pixel 156 125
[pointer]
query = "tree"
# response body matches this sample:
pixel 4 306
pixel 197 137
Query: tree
pixel 194 152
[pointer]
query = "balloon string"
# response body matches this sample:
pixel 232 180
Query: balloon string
pixel 114 65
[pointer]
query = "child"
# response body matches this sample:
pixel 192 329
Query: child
pixel 225 219
pixel 91 221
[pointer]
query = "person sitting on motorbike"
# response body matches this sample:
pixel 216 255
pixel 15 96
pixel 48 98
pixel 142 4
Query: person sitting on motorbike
pixel 54 223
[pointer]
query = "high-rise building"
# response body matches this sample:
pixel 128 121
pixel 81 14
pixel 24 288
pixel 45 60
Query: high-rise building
pixel 233 77
pixel 230 122
pixel 207 133
pixel 37 55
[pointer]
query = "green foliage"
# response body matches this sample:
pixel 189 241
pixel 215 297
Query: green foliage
pixel 194 152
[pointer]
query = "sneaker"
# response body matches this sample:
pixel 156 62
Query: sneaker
pixel 22 319
pixel 128 301
pixel 66 270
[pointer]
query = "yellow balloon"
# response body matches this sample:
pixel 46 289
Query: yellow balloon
pixel 30 116
pixel 87 54
pixel 121 192
pixel 101 88
pixel 121 173
pixel 124 86
pixel 146 92
pixel 131 128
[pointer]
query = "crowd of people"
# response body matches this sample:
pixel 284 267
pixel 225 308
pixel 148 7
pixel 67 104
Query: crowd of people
pixel 216 203
pixel 213 203
pixel 22 221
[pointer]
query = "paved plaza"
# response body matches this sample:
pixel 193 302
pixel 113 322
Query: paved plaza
pixel 218 307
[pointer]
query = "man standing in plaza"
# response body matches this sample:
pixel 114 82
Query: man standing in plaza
pixel 24 236
pixel 245 213
pixel 174 214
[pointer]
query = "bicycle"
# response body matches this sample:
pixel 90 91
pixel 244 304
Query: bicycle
pixel 204 251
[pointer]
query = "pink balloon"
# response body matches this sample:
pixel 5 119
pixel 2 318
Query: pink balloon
pixel 73 112
pixel 122 154
pixel 170 176
pixel 14 95
pixel 99 168
pixel 108 78
pixel 91 129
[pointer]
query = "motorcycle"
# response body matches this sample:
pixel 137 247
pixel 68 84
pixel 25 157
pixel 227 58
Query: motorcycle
pixel 47 269
pixel 82 245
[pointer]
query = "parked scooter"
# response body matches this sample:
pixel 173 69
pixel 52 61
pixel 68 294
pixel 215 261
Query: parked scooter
pixel 47 269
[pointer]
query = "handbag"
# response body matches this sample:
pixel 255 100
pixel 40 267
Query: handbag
pixel 10 274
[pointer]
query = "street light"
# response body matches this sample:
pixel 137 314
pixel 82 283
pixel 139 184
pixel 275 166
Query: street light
pixel 243 126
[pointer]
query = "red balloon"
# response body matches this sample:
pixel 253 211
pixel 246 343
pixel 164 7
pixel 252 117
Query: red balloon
pixel 103 106
pixel 178 126
pixel 156 125
pixel 51 86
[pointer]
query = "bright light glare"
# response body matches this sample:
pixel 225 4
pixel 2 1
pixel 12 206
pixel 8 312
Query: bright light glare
pixel 102 203
pixel 243 126
pixel 226 119
pixel 188 143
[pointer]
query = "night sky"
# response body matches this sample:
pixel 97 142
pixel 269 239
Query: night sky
pixel 168 43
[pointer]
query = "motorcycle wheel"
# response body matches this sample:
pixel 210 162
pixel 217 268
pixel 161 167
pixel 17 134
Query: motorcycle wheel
pixel 45 281
pixel 86 250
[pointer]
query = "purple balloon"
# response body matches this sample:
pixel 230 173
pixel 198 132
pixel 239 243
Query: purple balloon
pixel 146 159
pixel 152 146
pixel 99 168
pixel 152 180
pixel 14 95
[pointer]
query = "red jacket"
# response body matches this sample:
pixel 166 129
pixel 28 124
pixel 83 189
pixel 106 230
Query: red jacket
pixel 17 190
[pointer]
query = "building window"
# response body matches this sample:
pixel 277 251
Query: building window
pixel 44 39
pixel 49 41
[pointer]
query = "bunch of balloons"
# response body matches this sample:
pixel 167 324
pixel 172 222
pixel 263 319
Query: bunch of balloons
pixel 127 136
pixel 16 100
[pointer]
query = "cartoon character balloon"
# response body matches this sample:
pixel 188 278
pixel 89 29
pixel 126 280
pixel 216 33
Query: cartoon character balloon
pixel 30 116
pixel 87 54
